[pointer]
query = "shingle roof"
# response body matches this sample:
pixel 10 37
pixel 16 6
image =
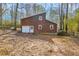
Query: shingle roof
pixel 37 15
pixel 34 15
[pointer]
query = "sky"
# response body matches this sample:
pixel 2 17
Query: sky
pixel 7 15
pixel 8 5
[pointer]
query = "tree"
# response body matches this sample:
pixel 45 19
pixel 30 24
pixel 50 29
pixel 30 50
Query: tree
pixel 2 12
pixel 39 8
pixel 27 9
pixel 12 14
pixel 34 8
pixel 1 15
pixel 15 15
pixel 78 21
pixel 66 18
pixel 61 15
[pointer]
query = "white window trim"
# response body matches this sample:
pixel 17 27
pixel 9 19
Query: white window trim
pixel 51 27
pixel 39 27
pixel 40 18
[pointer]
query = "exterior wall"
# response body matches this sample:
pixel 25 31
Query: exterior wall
pixel 47 27
pixel 35 22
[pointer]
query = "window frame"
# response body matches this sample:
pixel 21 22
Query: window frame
pixel 40 18
pixel 39 27
pixel 51 27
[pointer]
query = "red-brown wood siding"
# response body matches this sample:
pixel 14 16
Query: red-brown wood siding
pixel 35 22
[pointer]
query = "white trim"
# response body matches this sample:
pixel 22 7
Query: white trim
pixel 51 27
pixel 40 18
pixel 39 27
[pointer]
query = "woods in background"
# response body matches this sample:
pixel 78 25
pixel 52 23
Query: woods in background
pixel 66 15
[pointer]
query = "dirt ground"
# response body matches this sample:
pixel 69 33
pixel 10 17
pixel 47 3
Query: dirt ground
pixel 19 44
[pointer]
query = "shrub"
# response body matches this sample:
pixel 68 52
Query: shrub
pixel 63 33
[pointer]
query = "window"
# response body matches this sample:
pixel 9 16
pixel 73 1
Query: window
pixel 40 18
pixel 31 27
pixel 51 27
pixel 39 27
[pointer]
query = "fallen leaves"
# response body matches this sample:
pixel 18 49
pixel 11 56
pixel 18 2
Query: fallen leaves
pixel 37 45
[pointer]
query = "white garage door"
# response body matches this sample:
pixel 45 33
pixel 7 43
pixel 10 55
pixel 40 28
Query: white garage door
pixel 28 29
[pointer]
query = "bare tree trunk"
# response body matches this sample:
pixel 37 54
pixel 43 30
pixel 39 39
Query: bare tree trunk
pixel 78 21
pixel 15 16
pixel 61 14
pixel 66 19
pixel 2 11
pixel 12 14
pixel 0 15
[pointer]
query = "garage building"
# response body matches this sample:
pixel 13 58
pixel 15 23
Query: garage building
pixel 38 24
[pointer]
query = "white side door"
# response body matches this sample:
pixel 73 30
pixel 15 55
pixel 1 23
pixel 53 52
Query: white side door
pixel 31 29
